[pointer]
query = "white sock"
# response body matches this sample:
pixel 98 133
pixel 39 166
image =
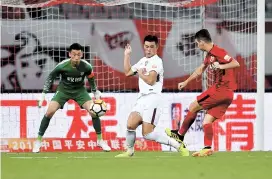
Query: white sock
pixel 130 140
pixel 162 139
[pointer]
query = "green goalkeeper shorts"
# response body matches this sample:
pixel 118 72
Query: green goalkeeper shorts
pixel 80 98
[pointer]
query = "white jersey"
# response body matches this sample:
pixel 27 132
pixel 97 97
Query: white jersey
pixel 150 64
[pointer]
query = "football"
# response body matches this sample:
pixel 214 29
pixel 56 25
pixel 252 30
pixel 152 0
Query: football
pixel 98 107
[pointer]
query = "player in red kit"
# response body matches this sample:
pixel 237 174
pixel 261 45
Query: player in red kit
pixel 216 99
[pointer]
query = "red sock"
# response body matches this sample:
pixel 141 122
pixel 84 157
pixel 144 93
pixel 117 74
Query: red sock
pixel 208 134
pixel 188 121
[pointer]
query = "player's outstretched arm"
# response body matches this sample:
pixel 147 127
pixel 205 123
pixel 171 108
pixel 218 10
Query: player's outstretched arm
pixel 127 66
pixel 48 83
pixel 193 76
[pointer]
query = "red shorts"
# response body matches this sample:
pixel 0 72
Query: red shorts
pixel 216 100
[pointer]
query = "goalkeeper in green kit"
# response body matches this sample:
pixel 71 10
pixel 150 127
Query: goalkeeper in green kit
pixel 73 72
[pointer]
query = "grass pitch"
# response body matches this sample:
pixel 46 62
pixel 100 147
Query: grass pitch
pixel 144 165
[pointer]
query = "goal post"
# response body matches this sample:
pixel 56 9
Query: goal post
pixel 37 34
pixel 260 75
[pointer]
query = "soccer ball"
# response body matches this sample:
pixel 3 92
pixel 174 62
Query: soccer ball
pixel 98 107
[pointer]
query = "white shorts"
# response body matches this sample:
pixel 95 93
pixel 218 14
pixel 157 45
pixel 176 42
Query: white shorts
pixel 149 107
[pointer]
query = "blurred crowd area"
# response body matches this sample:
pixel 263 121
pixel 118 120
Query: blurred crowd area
pixel 224 9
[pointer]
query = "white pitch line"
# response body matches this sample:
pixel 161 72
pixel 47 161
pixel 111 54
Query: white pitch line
pixel 134 157
pixel 34 157
pixel 80 157
pixel 88 157
pixel 112 157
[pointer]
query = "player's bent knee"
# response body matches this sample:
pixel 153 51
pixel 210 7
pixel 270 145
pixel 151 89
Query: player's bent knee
pixel 208 119
pixel 94 116
pixel 50 113
pixel 195 107
pixel 87 105
pixel 131 126
pixel 53 107
pixel 134 121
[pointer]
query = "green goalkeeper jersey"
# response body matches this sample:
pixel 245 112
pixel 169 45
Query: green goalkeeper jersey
pixel 72 78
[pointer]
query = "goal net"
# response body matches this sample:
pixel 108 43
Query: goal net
pixel 37 33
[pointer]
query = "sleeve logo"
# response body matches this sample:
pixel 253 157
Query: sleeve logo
pixel 227 58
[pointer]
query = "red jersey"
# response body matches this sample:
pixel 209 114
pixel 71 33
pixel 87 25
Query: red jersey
pixel 226 77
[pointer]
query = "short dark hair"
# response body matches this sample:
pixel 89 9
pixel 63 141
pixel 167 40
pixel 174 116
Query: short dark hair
pixel 75 46
pixel 151 38
pixel 204 35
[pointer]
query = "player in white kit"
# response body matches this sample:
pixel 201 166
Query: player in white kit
pixel 148 106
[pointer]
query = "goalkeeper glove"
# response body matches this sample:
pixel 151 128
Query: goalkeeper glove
pixel 41 99
pixel 97 94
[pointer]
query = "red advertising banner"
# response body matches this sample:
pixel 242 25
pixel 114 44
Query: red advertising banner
pixel 21 120
pixel 239 124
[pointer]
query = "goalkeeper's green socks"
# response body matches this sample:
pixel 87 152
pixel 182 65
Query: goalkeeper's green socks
pixel 99 136
pixel 97 127
pixel 39 138
pixel 44 125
